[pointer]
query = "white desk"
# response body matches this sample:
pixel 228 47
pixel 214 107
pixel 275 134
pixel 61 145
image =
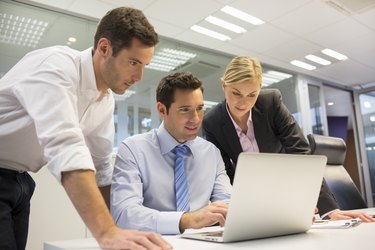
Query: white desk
pixel 360 237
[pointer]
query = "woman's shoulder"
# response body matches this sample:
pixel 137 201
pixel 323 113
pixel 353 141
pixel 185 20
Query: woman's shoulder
pixel 268 98
pixel 215 113
pixel 269 93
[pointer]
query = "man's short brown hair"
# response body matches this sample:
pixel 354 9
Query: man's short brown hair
pixel 121 25
pixel 179 80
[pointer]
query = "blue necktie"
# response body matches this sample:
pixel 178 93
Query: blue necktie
pixel 180 181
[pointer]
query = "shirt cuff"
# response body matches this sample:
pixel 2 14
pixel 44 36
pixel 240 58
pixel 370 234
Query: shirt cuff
pixel 168 222
pixel 71 160
pixel 328 213
pixel 104 176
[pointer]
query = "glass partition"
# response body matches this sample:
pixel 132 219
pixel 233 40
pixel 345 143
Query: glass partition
pixel 315 109
pixel 367 109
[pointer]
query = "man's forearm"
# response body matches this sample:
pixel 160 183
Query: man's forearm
pixel 106 193
pixel 82 190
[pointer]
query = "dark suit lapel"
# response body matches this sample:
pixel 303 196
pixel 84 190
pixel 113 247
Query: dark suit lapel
pixel 230 134
pixel 260 131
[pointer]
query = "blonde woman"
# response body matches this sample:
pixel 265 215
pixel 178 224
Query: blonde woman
pixel 251 119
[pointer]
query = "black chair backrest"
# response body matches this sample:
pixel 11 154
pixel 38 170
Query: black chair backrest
pixel 338 180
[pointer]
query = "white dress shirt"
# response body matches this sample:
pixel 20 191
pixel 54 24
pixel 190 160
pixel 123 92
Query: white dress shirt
pixel 143 192
pixel 51 113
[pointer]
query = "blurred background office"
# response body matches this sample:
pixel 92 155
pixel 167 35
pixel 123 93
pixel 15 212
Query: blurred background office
pixel 319 53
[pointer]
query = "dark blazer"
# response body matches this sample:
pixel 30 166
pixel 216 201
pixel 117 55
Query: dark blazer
pixel 275 129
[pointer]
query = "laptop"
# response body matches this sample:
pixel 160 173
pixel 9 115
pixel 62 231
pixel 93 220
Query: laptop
pixel 273 195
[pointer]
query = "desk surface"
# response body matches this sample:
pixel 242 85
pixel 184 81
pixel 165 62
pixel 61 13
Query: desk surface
pixel 360 237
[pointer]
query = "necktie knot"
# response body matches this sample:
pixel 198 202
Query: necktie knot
pixel 181 150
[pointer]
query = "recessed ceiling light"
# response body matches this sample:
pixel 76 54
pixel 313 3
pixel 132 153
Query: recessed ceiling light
pixel 318 59
pixel 302 65
pixel 72 39
pixel 224 24
pixel 167 59
pixel 210 33
pixel 181 54
pixel 271 76
pixel 159 67
pixel 334 54
pixel 242 15
pixel 21 31
pixel 330 103
pixel 280 74
pixel 268 80
pixel 367 104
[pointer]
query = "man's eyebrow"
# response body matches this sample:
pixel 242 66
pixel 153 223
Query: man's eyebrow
pixel 184 106
pixel 135 59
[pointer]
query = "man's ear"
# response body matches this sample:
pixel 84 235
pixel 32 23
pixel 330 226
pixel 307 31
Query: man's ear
pixel 162 109
pixel 104 47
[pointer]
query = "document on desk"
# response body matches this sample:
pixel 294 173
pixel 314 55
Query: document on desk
pixel 335 224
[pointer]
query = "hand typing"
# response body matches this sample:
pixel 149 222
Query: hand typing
pixel 344 215
pixel 209 215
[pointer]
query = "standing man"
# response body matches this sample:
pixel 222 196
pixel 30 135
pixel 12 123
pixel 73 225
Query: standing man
pixel 56 109
pixel 169 179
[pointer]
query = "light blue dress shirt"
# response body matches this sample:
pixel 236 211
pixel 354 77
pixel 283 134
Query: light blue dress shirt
pixel 142 193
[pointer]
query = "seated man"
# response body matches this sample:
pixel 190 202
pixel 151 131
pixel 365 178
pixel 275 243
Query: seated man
pixel 168 180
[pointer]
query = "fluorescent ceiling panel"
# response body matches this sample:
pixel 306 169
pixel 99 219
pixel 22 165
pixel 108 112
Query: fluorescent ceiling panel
pixel 317 59
pixel 224 24
pixel 242 15
pixel 302 65
pixel 210 33
pixel 334 54
pixel 167 59
pixel 21 31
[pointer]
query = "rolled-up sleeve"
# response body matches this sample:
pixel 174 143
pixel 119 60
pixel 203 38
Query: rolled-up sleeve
pixel 49 97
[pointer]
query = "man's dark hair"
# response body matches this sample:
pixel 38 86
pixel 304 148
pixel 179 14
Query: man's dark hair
pixel 168 85
pixel 121 25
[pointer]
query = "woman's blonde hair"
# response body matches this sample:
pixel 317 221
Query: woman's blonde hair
pixel 243 68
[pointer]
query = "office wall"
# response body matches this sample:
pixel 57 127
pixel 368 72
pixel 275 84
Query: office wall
pixel 52 215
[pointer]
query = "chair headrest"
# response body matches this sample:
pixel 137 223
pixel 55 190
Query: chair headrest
pixel 332 147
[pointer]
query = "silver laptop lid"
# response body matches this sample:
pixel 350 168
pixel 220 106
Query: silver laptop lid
pixel 273 194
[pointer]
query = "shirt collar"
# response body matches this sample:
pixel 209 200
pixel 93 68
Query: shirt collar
pixel 238 129
pixel 166 141
pixel 88 81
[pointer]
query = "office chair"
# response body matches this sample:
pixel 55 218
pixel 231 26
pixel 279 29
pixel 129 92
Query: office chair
pixel 338 180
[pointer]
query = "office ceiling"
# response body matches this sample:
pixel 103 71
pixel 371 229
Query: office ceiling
pixel 292 30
